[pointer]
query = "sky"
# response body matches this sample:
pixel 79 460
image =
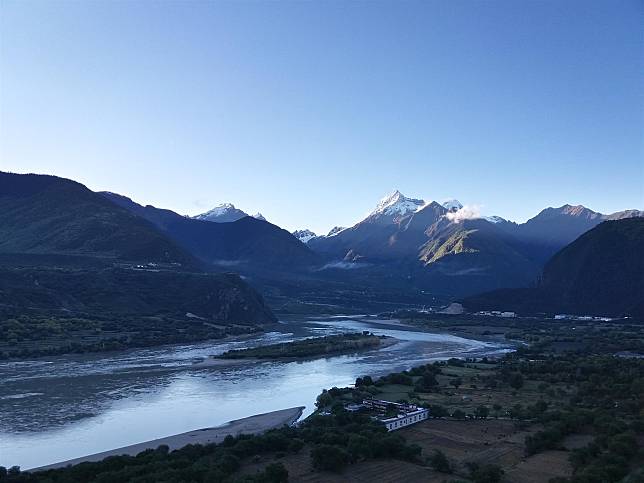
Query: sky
pixel 310 112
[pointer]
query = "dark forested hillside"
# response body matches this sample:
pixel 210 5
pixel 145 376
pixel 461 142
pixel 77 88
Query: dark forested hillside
pixel 247 241
pixel 50 215
pixel 600 273
pixel 71 261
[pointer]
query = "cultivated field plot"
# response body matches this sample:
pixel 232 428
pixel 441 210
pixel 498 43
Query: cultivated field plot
pixel 488 441
pixel 540 468
pixel 381 471
pixel 480 441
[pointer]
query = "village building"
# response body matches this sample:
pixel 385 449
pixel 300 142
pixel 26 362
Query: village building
pixel 407 414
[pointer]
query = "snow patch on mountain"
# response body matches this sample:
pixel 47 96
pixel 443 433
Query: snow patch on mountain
pixel 335 230
pixel 224 213
pixel 452 205
pixel 259 216
pixel 495 219
pixel 305 235
pixel 396 204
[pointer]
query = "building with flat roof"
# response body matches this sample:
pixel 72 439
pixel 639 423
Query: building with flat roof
pixel 405 419
pixel 407 414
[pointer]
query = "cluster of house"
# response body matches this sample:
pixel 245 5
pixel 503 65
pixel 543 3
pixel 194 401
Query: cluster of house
pixel 497 313
pixel 405 414
pixel 582 317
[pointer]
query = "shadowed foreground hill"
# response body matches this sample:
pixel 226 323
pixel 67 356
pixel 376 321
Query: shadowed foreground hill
pixel 78 273
pixel 50 215
pixel 130 292
pixel 600 273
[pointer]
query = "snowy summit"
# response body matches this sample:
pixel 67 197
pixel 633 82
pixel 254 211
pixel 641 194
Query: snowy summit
pixel 224 213
pixel 396 204
pixel 452 205
pixel 304 235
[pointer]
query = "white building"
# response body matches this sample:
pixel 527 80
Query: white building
pixel 407 413
pixel 405 419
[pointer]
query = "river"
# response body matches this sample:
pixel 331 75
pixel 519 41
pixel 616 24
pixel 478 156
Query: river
pixel 58 408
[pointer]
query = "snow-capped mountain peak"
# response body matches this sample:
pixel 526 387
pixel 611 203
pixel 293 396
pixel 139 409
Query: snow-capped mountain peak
pixel 259 216
pixel 396 204
pixel 335 230
pixel 495 219
pixel 452 205
pixel 223 213
pixel 304 235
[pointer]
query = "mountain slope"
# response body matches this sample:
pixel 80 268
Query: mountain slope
pixel 389 232
pixel 222 298
pixel 600 273
pixel 67 252
pixel 248 242
pixel 554 228
pixel 50 215
pixel 418 241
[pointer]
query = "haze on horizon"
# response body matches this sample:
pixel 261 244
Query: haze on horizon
pixel 311 112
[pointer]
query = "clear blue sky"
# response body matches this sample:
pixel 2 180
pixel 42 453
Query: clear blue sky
pixel 311 111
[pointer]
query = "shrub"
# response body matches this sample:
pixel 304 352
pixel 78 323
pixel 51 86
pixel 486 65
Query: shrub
pixel 439 462
pixel 329 457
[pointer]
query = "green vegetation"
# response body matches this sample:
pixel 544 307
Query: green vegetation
pixel 564 383
pixel 79 273
pixel 51 215
pixel 33 336
pixel 334 441
pixel 46 311
pixel 316 346
pixel 540 335
pixel 601 397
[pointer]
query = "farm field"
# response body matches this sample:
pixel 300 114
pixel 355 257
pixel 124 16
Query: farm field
pixel 480 441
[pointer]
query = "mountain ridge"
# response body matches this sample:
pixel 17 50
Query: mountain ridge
pixel 600 273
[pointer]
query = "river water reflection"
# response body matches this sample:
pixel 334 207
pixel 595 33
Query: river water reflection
pixel 58 408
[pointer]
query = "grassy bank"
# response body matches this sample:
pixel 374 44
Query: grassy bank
pixel 316 346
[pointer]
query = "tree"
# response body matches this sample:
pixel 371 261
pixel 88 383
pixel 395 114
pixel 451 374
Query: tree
pixel 458 414
pixel 429 380
pixel 359 446
pixel 516 381
pixel 482 412
pixel 439 462
pixel 485 473
pixel 329 457
pixel 497 409
pixel 275 473
pixel 456 382
pixel 437 411
pixel 323 400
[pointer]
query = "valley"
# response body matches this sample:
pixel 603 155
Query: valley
pixel 53 409
pixel 122 324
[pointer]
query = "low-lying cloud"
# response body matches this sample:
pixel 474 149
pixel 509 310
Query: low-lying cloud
pixel 343 265
pixel 468 212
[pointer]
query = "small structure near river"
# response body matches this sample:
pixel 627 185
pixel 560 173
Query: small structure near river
pixel 396 415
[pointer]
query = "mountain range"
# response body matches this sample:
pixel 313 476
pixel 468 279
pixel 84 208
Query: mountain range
pixel 600 273
pixel 67 251
pixel 405 244
pixel 247 243
pixel 451 249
